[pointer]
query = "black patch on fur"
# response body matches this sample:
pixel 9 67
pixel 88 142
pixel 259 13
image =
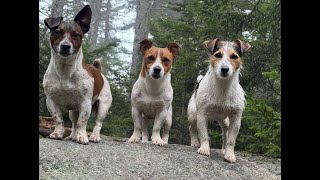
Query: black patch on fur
pixel 196 88
pixel 238 49
pixel 97 64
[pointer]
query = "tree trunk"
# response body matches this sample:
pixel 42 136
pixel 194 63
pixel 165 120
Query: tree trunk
pixel 107 22
pixel 161 8
pixel 140 33
pixel 76 5
pixel 57 8
pixel 95 21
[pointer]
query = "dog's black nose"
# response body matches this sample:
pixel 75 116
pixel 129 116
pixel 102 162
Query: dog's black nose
pixel 157 69
pixel 65 47
pixel 224 70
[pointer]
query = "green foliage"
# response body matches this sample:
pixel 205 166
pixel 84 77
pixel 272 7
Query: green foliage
pixel 272 75
pixel 260 131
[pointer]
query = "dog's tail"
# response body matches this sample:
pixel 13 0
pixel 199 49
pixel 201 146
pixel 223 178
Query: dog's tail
pixel 199 78
pixel 97 63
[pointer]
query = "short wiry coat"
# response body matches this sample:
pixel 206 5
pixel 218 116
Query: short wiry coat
pixel 219 97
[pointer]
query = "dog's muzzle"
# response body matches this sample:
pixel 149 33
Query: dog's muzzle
pixel 224 71
pixel 65 49
pixel 156 72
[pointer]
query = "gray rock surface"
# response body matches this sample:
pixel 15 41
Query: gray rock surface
pixel 114 158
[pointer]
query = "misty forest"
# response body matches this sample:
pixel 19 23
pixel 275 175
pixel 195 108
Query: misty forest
pixel 117 27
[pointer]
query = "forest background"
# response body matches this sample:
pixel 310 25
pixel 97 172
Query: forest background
pixel 118 26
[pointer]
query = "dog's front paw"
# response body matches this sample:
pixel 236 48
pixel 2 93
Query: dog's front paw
pixel 158 142
pixel 70 137
pixel 223 151
pixel 134 139
pixel 165 140
pixel 204 150
pixel 56 135
pixel 195 143
pixel 145 139
pixel 94 138
pixel 82 138
pixel 230 157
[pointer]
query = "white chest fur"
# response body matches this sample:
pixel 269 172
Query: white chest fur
pixel 66 82
pixel 219 97
pixel 152 96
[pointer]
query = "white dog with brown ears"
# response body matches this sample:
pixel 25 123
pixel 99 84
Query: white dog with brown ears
pixel 71 83
pixel 152 93
pixel 219 97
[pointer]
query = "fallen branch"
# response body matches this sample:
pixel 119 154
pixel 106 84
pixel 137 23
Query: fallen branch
pixel 46 127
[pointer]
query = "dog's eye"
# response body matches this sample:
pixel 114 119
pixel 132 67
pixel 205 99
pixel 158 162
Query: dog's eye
pixel 218 55
pixel 234 57
pixel 166 61
pixel 76 36
pixel 58 32
pixel 151 58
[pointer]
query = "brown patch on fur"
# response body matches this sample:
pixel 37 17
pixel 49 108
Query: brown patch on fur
pixel 145 45
pixel 96 74
pixel 174 48
pixel 166 59
pixel 142 72
pixel 147 63
pixel 234 62
pixel 242 46
pixel 212 45
pixel 214 60
pixel 72 31
pixel 150 53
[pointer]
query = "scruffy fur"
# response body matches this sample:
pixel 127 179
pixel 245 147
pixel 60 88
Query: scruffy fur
pixel 71 83
pixel 152 94
pixel 219 97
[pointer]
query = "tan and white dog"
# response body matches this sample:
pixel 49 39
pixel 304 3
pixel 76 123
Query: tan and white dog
pixel 219 97
pixel 152 93
pixel 71 83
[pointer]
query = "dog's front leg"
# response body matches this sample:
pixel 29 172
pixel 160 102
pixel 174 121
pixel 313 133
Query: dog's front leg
pixel 144 126
pixel 136 116
pixel 74 116
pixel 158 122
pixel 192 119
pixel 224 124
pixel 84 114
pixel 235 123
pixel 167 126
pixel 202 126
pixel 55 112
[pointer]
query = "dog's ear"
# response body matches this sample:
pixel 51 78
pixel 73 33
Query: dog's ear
pixel 52 23
pixel 83 18
pixel 243 47
pixel 174 48
pixel 211 44
pixel 145 45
